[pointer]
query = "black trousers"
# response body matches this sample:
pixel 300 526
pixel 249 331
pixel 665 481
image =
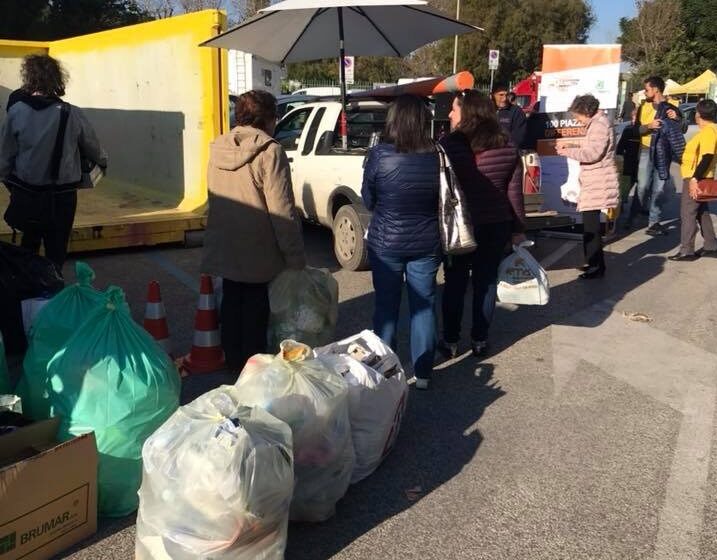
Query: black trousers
pixel 54 231
pixel 244 321
pixel 592 240
pixel 492 240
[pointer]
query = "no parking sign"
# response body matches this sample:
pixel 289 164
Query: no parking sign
pixel 493 59
pixel 349 69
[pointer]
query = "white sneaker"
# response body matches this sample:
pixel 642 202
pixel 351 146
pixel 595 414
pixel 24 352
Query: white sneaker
pixel 422 383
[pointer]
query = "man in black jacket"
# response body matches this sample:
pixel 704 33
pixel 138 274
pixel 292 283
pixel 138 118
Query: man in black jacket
pixel 658 126
pixel 511 117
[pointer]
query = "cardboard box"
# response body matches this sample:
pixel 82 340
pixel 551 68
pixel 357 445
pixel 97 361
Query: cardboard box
pixel 48 491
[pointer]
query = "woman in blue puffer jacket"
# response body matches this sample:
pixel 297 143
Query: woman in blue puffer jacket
pixel 400 187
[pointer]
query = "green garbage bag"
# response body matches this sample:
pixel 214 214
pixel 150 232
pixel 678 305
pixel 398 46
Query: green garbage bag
pixel 114 379
pixel 51 329
pixel 5 388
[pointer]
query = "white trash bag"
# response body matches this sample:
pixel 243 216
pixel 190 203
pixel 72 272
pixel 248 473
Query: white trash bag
pixel 217 483
pixel 313 401
pixel 304 307
pixel 378 393
pixel 521 279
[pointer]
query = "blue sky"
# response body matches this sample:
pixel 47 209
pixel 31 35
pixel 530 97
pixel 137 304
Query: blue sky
pixel 609 12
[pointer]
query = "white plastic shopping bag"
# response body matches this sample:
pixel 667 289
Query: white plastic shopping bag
pixel 378 394
pixel 521 279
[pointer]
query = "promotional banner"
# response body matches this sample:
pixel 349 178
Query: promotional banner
pixel 569 71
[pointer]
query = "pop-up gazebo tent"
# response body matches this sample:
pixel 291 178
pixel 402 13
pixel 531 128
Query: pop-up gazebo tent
pixel 699 86
pixel 672 87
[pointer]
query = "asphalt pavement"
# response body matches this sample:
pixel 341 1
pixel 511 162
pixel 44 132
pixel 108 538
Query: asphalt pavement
pixel 586 433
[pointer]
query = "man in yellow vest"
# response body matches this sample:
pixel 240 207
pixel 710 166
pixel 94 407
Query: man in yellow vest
pixel 656 120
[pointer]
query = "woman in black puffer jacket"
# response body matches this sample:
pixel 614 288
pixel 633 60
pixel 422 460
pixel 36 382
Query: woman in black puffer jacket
pixel 400 187
pixel 489 169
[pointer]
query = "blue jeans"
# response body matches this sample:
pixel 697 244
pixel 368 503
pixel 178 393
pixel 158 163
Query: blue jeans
pixel 650 188
pixel 419 273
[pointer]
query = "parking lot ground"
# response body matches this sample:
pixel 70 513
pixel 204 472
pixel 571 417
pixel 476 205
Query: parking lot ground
pixel 586 433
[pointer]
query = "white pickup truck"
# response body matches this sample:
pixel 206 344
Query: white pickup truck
pixel 327 180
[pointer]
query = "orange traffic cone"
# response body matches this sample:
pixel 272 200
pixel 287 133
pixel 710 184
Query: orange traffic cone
pixel 207 354
pixel 155 318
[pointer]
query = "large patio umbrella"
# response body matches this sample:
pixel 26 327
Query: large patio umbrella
pixel 300 30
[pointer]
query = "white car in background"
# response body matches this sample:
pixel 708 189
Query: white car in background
pixel 320 91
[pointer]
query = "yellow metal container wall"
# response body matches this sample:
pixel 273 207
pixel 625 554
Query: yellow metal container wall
pixel 156 100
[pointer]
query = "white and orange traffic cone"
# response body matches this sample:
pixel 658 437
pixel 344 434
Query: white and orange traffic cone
pixel 207 354
pixel 155 317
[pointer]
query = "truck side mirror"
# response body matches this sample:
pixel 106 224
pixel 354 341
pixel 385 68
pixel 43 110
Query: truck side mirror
pixel 326 142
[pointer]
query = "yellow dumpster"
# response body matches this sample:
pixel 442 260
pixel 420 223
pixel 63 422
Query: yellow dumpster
pixel 156 100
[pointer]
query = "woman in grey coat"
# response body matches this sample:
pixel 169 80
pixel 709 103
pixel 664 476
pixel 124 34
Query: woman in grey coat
pixel 40 163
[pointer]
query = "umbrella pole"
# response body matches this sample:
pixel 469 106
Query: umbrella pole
pixel 342 74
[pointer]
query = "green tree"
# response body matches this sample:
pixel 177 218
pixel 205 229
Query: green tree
pixel 42 20
pixel 519 29
pixel 248 8
pixel 22 19
pixel 700 37
pixel 671 38
pixel 654 40
pixel 69 18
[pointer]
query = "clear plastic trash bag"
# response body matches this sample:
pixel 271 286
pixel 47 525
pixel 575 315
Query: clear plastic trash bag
pixel 114 379
pixel 313 401
pixel 217 483
pixel 378 394
pixel 304 307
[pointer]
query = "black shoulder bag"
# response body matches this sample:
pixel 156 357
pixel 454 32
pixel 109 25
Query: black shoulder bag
pixel 31 206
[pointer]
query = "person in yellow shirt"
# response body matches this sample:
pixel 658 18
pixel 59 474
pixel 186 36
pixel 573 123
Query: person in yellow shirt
pixel 654 117
pixel 698 162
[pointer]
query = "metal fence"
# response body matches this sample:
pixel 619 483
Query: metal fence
pixel 289 86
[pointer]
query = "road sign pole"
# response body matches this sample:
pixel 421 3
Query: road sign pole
pixel 491 79
pixel 342 76
pixel 455 39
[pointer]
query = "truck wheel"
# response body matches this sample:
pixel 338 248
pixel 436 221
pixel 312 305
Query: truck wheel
pixel 349 244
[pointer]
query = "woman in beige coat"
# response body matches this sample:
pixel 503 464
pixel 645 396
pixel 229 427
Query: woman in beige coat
pixel 599 188
pixel 253 231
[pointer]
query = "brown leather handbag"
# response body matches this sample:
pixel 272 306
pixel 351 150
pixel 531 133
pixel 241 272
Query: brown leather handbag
pixel 704 191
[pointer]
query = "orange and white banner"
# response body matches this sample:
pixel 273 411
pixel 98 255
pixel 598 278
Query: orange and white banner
pixel 571 70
